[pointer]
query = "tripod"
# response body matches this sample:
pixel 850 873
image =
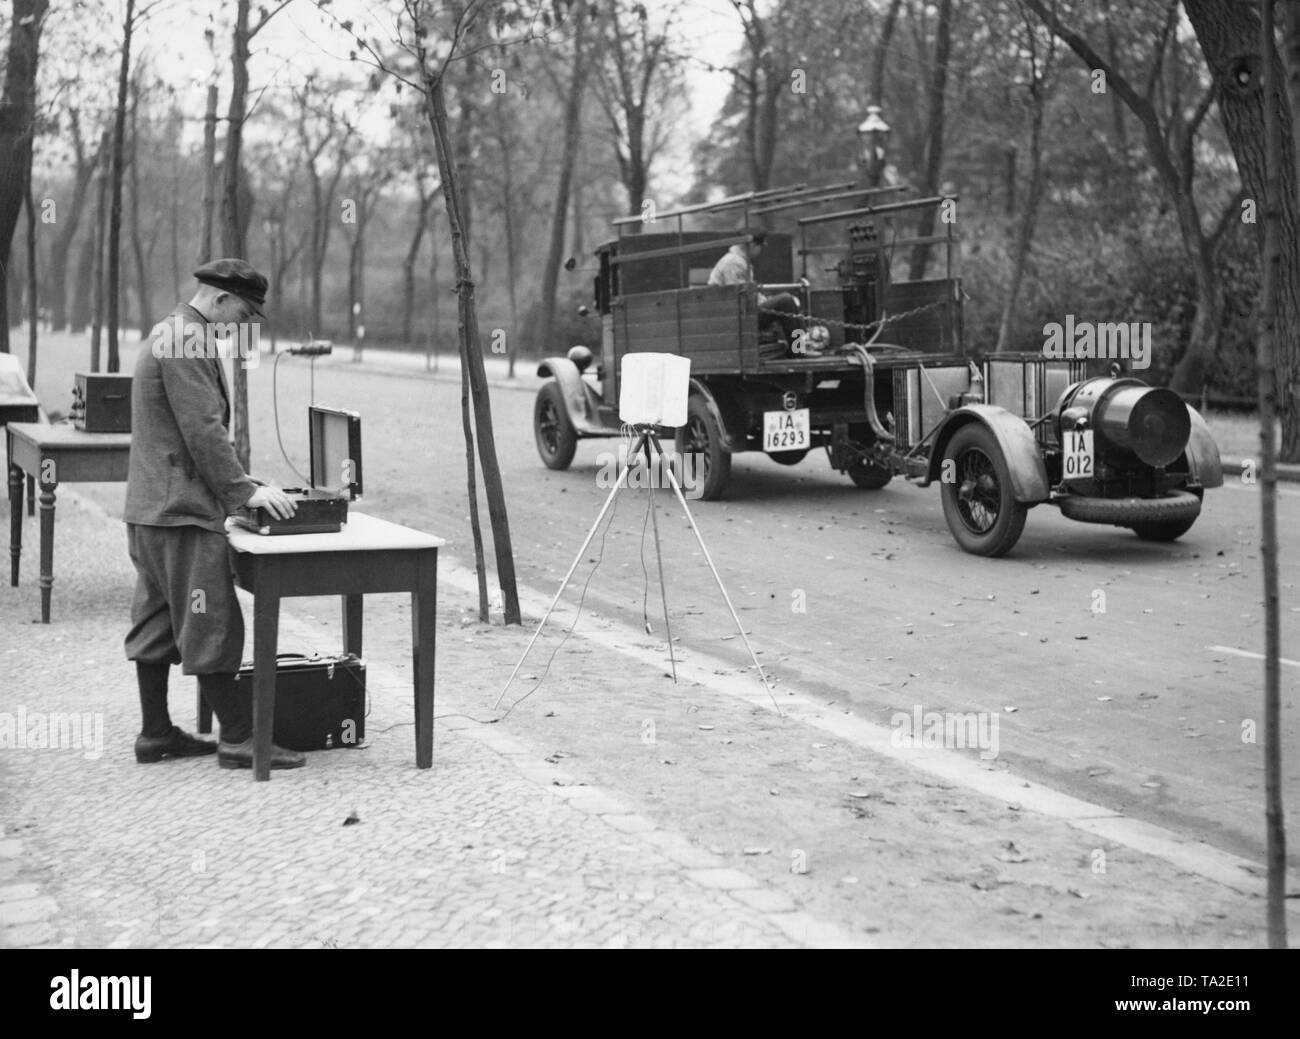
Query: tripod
pixel 646 439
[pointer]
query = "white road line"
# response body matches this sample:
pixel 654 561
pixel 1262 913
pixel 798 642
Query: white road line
pixel 1250 656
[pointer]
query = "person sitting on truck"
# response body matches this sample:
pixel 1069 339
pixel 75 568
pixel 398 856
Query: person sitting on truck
pixel 736 267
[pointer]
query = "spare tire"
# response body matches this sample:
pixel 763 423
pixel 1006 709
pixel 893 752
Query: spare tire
pixel 1157 519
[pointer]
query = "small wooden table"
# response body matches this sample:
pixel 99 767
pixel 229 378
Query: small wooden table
pixel 53 455
pixel 368 556
pixel 19 404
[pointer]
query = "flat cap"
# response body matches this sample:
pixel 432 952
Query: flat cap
pixel 237 276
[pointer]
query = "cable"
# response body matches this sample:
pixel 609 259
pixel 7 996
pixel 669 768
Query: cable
pixel 581 599
pixel 275 409
pixel 645 589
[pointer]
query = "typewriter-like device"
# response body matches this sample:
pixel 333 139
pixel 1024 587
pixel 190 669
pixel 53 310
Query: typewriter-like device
pixel 322 508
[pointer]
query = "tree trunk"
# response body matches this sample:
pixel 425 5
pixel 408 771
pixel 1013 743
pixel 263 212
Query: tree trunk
pixel 1028 218
pixel 408 267
pixel 934 137
pixel 209 177
pixel 572 134
pixel 97 276
pixel 79 303
pixel 880 54
pixel 471 352
pixel 512 246
pixel 56 275
pixel 17 116
pixel 1266 373
pixel 1228 35
pixel 435 298
pixel 137 245
pixel 115 190
pixel 33 299
pixel 232 227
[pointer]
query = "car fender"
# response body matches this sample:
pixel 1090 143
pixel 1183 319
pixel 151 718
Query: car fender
pixel 1203 461
pixel 1014 437
pixel 581 400
pixel 719 408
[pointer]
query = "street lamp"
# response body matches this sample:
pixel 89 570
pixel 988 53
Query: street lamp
pixel 873 135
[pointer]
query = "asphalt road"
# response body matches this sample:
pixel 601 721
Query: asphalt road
pixel 1093 649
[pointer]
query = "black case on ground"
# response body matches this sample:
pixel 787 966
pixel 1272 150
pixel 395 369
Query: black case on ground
pixel 320 702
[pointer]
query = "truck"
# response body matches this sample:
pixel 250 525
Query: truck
pixel 873 369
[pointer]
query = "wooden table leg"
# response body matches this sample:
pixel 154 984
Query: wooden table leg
pixel 352 628
pixel 266 633
pixel 15 521
pixel 424 612
pixel 46 579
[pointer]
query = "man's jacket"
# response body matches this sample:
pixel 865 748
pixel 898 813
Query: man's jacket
pixel 183 469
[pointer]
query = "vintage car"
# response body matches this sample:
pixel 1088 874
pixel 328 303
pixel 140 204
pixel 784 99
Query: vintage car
pixel 874 370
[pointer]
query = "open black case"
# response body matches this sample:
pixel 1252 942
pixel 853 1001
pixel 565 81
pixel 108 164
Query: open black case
pixel 335 439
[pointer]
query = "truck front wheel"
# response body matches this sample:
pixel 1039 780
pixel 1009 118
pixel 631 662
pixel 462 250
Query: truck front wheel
pixel 700 440
pixel 557 440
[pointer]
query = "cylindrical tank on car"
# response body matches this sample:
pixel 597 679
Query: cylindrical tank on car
pixel 1129 417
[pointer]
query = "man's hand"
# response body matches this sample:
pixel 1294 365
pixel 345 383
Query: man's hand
pixel 279 504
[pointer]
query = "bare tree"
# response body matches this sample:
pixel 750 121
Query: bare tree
pixel 320 125
pixel 367 185
pixel 208 205
pixel 426 192
pixel 880 53
pixel 1267 385
pixel 763 79
pixel 98 278
pixel 936 89
pixel 234 216
pixel 1170 145
pixel 633 64
pixel 432 39
pixel 56 273
pixel 17 122
pixel 509 213
pixel 115 187
pixel 1039 86
pixel 572 134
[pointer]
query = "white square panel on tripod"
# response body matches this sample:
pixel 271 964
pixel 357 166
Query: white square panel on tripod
pixel 653 389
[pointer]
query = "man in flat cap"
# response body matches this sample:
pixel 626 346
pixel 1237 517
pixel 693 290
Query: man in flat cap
pixel 183 480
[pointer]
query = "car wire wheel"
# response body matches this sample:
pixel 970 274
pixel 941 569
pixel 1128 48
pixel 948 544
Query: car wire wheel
pixel 978 501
